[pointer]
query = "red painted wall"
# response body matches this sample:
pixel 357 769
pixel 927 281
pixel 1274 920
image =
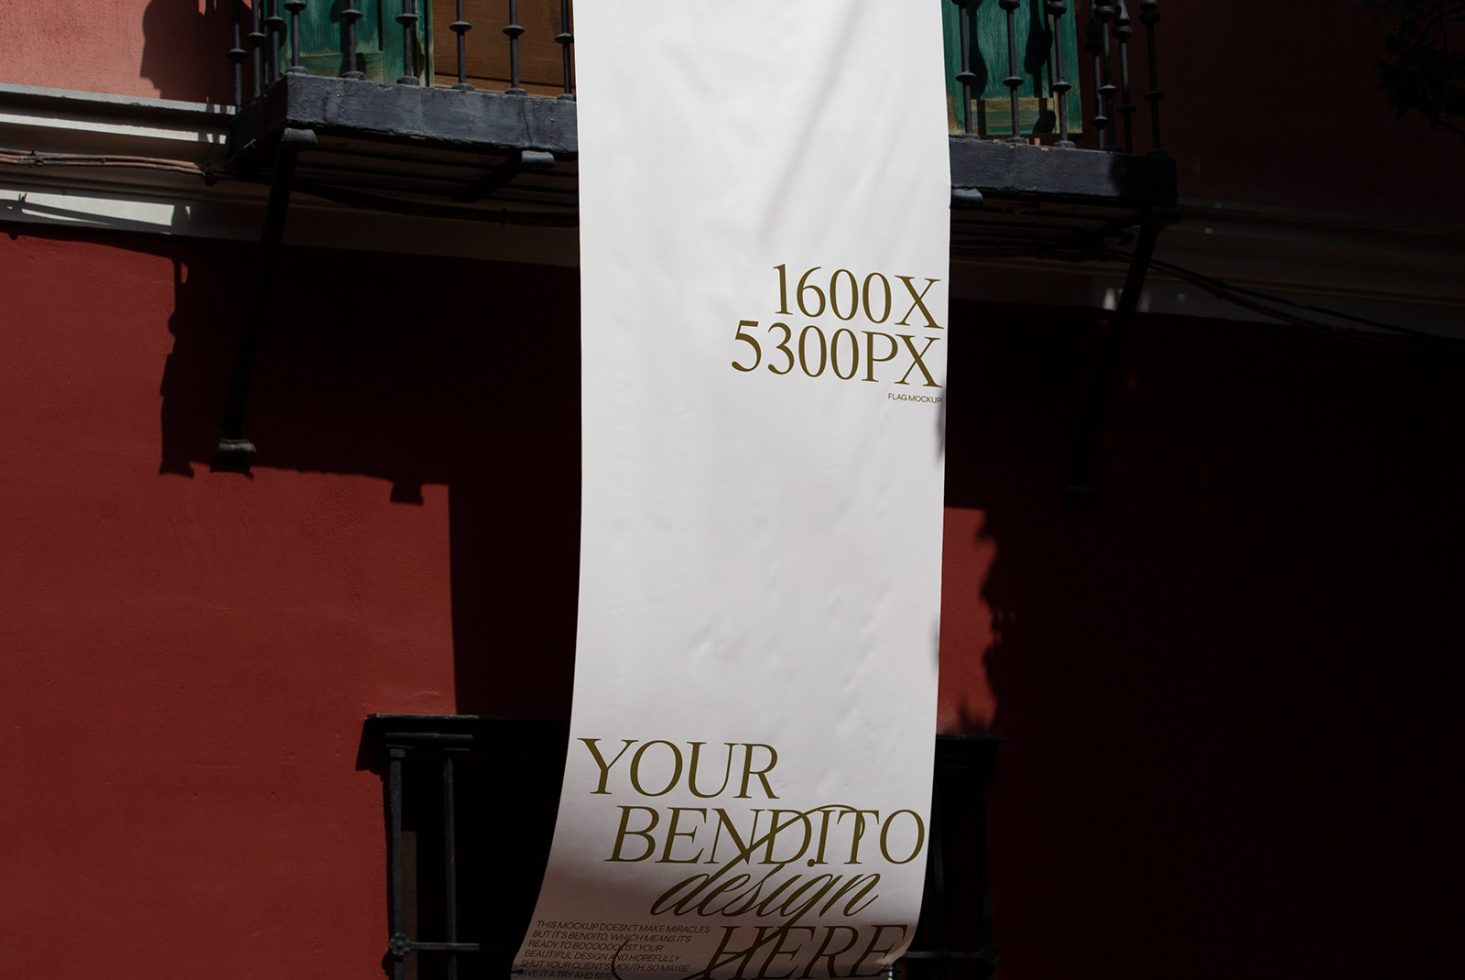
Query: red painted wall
pixel 1278 104
pixel 171 49
pixel 188 655
pixel 1230 688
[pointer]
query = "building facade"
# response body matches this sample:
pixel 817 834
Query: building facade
pixel 289 439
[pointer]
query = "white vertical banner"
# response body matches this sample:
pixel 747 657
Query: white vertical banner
pixel 764 195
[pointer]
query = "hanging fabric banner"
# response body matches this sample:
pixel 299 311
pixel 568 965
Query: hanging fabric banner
pixel 764 198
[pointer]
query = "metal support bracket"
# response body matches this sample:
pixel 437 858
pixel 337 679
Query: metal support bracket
pixel 235 450
pixel 966 197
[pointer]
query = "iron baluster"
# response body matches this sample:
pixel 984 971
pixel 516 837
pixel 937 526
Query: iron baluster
pixel 1149 15
pixel 459 27
pixel 408 19
pixel 450 855
pixel 237 54
pixel 399 943
pixel 1061 86
pixel 1104 14
pixel 512 29
pixel 295 6
pixel 275 24
pixel 565 38
pixel 1123 30
pixel 351 15
pixel 936 864
pixel 1013 81
pixel 257 39
pixel 988 961
pixel 1094 43
pixel 965 77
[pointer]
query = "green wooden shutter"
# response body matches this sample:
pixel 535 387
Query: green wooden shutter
pixel 990 108
pixel 378 39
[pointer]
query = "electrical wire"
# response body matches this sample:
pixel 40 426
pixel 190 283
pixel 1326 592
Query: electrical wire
pixel 34 158
pixel 1270 305
pixel 1255 300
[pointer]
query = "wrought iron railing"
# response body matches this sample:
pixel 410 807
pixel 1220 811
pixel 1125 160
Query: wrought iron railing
pixel 470 811
pixel 1030 48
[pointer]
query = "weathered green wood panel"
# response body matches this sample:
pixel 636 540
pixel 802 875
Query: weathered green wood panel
pixel 989 113
pixel 378 39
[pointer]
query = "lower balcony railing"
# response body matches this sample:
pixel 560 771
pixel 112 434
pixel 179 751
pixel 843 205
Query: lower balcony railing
pixel 470 812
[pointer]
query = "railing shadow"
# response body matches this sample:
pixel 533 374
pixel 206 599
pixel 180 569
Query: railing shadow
pixel 184 43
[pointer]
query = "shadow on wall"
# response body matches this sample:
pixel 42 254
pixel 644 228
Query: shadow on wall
pixel 185 49
pixel 415 371
pixel 1232 688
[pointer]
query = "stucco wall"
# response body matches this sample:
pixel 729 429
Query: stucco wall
pixel 1231 688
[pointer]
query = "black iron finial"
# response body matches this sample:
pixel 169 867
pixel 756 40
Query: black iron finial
pixel 1061 86
pixel 513 30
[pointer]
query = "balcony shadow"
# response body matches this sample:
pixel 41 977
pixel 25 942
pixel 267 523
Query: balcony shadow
pixel 1231 687
pixel 185 49
pixel 416 371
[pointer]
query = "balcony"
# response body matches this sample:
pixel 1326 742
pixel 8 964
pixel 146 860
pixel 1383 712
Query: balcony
pixel 459 901
pixel 465 108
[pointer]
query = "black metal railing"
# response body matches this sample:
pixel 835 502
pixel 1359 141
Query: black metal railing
pixel 1109 34
pixel 471 804
pixel 1020 47
pixel 279 37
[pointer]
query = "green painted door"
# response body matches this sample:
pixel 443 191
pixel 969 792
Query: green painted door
pixel 989 113
pixel 378 39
